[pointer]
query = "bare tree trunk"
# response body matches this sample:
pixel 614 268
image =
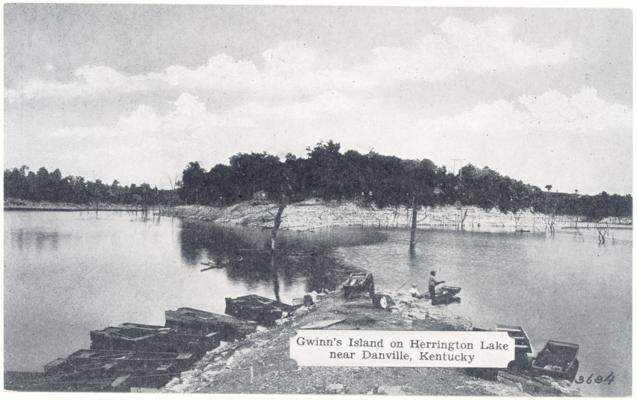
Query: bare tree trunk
pixel 273 268
pixel 463 216
pixel 414 223
pixel 602 232
pixel 275 228
pixel 275 277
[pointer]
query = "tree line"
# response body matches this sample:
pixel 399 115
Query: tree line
pixel 42 185
pixel 327 173
pixel 382 181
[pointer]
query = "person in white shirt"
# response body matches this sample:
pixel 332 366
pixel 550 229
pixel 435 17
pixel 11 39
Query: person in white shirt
pixel 414 292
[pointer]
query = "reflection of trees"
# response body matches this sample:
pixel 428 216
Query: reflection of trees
pixel 245 253
pixel 35 239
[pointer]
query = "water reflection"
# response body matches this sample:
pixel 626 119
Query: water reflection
pixel 68 273
pixel 245 254
pixel 40 240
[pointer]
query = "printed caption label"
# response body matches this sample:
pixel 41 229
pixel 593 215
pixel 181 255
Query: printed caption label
pixel 355 348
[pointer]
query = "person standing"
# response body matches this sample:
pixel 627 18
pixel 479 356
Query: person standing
pixel 432 285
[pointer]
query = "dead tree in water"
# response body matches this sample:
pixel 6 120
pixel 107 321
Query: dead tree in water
pixel 275 227
pixel 273 233
pixel 516 219
pixel 550 224
pixel 602 232
pixel 414 224
pixel 463 216
pixel 275 276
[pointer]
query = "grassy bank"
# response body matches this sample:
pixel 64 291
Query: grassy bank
pixel 261 363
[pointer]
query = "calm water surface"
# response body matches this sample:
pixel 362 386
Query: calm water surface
pixel 566 287
pixel 68 273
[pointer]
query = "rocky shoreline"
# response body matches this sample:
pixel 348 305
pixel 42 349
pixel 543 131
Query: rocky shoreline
pixel 314 214
pixel 261 362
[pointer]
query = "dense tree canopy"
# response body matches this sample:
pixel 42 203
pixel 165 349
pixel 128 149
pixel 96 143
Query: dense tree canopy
pixel 382 181
pixel 325 172
pixel 42 185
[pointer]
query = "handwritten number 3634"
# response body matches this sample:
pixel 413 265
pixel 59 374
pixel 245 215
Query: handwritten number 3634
pixel 595 379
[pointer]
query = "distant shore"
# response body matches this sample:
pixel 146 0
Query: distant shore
pixel 27 205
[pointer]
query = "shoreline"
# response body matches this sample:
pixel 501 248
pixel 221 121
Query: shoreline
pixel 260 363
pixel 316 214
pixel 27 205
pixel 68 209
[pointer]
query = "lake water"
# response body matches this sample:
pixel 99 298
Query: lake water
pixel 566 287
pixel 68 273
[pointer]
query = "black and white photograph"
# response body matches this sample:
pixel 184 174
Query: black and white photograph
pixel 337 199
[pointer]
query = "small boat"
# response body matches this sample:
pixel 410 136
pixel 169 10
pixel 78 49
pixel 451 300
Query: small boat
pixel 447 295
pixel 557 360
pixel 258 308
pixel 140 337
pixel 204 322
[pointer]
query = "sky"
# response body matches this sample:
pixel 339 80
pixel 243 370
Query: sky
pixel 135 92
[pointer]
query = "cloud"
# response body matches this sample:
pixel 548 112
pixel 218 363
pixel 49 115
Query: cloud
pixel 572 141
pixel 293 69
pixel 149 144
pixel 549 113
pixel 464 47
pixel 188 118
pixel 577 140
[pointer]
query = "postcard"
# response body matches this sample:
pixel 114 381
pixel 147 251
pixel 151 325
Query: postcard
pixel 339 199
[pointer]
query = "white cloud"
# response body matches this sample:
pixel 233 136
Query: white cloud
pixel 188 118
pixel 462 46
pixel 571 141
pixel 255 113
pixel 147 144
pixel 550 113
pixel 578 141
pixel 292 68
pixel 90 80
